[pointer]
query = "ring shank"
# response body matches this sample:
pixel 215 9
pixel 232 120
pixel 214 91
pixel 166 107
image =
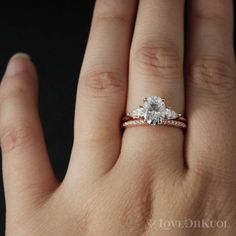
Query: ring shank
pixel 141 122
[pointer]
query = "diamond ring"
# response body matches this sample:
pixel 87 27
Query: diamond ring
pixel 154 112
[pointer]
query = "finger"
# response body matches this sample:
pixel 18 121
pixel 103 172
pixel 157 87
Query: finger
pixel 156 69
pixel 26 169
pixel 211 86
pixel 102 88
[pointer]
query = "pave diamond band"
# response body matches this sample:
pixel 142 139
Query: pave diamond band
pixel 154 112
pixel 172 123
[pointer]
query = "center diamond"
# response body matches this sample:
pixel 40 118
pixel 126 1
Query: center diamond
pixel 154 110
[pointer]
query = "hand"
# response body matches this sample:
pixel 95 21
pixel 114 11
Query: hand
pixel 147 180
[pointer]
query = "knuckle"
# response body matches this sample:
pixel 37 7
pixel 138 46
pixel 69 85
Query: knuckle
pixel 16 138
pixel 213 75
pixel 158 59
pixel 103 84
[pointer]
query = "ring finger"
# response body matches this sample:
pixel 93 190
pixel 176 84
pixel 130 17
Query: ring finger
pixel 156 69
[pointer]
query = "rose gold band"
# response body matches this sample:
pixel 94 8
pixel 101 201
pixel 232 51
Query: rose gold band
pixel 127 118
pixel 141 122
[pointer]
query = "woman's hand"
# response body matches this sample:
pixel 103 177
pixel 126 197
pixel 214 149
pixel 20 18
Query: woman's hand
pixel 147 180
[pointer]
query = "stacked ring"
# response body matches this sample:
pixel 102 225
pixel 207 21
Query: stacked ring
pixel 154 112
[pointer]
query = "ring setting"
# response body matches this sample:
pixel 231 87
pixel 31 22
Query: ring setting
pixel 154 112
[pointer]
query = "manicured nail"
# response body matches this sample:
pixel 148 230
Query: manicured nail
pixel 16 65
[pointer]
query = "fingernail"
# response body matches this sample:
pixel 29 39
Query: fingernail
pixel 16 64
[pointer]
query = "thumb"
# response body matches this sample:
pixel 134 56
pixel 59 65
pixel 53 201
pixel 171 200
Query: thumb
pixel 27 172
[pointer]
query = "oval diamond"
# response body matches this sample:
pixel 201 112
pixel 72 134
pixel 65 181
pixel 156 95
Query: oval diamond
pixel 155 109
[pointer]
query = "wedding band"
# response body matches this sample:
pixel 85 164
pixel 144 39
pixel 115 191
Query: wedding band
pixel 172 123
pixel 154 112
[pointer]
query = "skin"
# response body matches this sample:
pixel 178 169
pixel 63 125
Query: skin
pixel 127 183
